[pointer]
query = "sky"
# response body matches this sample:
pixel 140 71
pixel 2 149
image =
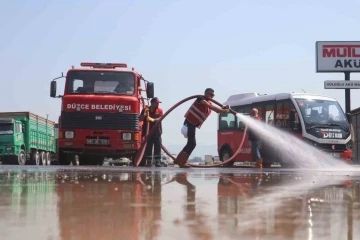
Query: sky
pixel 182 46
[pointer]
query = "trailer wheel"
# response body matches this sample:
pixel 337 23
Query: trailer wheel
pixel 22 157
pixel 225 155
pixel 42 158
pixel 48 158
pixel 35 158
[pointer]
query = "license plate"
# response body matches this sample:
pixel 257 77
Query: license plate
pixel 98 141
pixel 337 155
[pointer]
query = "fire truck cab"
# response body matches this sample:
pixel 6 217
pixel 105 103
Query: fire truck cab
pixel 99 113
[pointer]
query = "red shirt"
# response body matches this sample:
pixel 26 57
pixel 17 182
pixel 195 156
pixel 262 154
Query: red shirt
pixel 157 113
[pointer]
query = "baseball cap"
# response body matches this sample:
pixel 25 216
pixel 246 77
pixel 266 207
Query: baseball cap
pixel 155 99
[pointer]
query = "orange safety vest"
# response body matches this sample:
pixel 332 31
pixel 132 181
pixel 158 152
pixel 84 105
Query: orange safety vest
pixel 197 113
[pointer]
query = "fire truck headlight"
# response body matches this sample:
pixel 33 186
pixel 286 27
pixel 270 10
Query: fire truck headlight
pixel 126 136
pixel 69 134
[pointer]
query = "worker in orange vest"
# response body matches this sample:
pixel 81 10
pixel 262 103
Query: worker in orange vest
pixel 198 112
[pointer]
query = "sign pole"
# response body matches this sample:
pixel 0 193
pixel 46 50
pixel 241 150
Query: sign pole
pixel 347 98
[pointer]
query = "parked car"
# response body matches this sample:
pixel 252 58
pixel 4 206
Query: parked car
pixel 120 162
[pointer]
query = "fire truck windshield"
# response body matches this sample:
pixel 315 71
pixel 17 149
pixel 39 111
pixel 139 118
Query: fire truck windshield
pixel 318 112
pixel 101 82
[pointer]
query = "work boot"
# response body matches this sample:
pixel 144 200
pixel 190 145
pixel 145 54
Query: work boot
pixel 149 163
pixel 177 159
pixel 259 163
pixel 181 160
pixel 157 163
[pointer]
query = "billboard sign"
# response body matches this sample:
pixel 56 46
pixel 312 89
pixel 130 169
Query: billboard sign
pixel 337 56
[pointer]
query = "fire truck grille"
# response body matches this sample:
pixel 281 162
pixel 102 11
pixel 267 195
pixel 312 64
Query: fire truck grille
pixel 99 121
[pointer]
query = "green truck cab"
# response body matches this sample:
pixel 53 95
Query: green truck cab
pixel 26 138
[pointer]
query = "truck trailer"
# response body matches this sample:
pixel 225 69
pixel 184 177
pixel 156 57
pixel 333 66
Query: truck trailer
pixel 26 138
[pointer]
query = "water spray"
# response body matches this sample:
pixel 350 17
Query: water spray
pixel 140 153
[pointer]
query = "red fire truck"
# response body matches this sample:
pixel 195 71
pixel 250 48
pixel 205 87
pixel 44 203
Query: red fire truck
pixel 99 113
pixel 304 115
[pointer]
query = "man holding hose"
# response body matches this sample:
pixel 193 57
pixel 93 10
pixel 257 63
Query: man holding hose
pixel 152 114
pixel 198 112
pixel 254 140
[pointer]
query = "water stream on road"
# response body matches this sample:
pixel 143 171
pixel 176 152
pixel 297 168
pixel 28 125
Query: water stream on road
pixel 293 149
pixel 301 155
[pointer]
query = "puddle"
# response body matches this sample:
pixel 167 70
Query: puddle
pixel 173 204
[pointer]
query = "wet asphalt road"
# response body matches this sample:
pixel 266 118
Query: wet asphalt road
pixel 171 203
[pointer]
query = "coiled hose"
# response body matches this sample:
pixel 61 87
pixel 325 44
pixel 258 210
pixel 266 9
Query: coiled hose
pixel 141 151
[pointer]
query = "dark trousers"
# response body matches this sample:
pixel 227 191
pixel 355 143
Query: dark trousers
pixel 255 149
pixel 153 142
pixel 191 138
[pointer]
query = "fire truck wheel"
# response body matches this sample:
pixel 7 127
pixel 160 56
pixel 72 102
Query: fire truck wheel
pixel 75 161
pixel 225 154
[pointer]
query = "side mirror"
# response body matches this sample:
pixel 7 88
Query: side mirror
pixel 22 128
pixel 53 89
pixel 150 90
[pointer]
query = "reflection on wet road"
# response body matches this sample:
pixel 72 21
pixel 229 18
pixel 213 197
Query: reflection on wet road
pixel 145 203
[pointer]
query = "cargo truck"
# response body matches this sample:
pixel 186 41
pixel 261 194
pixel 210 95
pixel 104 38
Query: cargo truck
pixel 26 138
